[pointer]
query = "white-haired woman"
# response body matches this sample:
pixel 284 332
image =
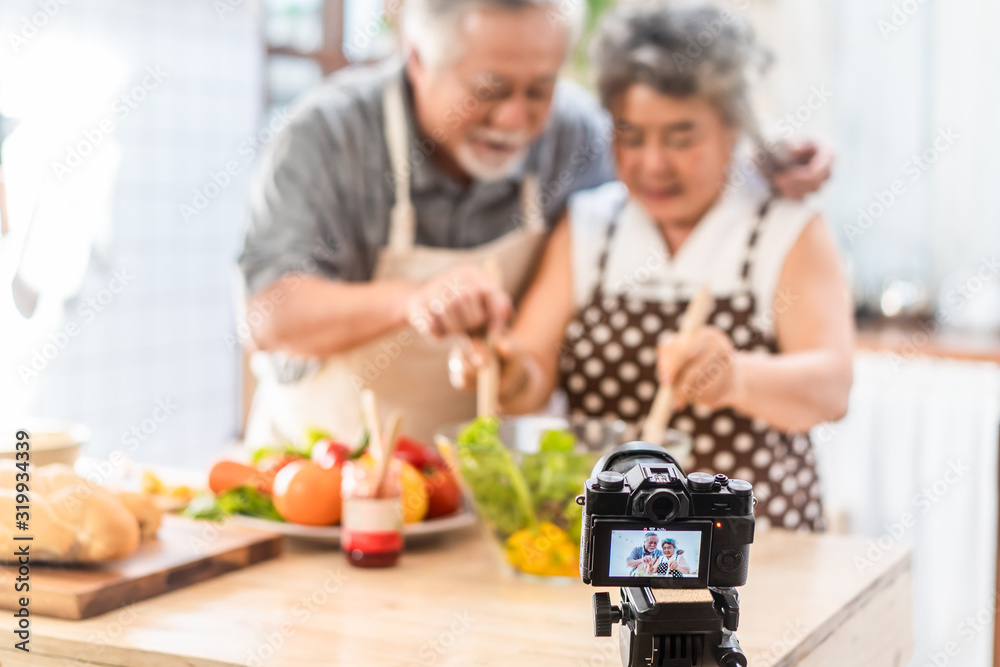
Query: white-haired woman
pixel 775 357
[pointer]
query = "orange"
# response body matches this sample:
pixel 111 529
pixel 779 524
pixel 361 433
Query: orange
pixel 307 493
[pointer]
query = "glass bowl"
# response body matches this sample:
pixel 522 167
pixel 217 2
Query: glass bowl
pixel 524 474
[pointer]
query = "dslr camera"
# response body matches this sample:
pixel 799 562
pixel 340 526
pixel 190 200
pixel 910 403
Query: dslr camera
pixel 678 545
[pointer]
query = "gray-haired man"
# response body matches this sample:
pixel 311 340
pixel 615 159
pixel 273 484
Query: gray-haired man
pixel 391 188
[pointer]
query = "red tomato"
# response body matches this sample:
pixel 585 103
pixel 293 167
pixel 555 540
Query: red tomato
pixel 445 493
pixel 329 454
pixel 271 465
pixel 417 454
pixel 307 493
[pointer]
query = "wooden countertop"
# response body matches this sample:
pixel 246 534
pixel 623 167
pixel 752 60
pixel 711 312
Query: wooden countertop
pixel 929 340
pixel 450 603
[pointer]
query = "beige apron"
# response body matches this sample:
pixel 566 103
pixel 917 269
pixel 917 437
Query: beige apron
pixel 405 371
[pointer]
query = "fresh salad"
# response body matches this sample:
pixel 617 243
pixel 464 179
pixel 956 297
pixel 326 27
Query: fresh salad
pixel 528 499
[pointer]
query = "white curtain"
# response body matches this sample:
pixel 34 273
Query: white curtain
pixel 900 75
pixel 915 461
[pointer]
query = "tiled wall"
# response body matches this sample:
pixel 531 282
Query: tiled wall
pixel 162 339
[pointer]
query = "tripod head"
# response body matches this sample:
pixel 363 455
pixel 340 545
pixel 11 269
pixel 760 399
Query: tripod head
pixel 673 627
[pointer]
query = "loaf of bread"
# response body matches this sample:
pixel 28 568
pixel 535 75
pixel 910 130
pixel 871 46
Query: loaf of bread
pixel 72 519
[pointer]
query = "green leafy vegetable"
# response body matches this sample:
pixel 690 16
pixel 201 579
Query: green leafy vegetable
pixel 499 488
pixel 244 500
pixel 543 488
pixel 262 453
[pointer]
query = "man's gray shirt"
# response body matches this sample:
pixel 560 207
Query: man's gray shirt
pixel 325 186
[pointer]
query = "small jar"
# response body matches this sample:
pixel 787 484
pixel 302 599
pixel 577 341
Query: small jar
pixel 372 527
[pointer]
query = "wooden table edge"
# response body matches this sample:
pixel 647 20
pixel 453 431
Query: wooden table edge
pixel 902 567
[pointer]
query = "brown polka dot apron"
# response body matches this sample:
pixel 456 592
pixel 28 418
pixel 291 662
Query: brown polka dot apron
pixel 608 370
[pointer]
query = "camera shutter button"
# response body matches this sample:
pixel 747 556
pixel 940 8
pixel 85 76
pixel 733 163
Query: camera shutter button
pixel 609 480
pixel 701 481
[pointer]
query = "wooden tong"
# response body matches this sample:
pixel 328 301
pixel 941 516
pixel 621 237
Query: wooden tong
pixel 381 443
pixel 694 318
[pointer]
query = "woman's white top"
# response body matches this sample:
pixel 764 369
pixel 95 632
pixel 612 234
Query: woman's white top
pixel 640 264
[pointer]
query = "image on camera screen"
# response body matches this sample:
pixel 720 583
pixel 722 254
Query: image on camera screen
pixel 655 553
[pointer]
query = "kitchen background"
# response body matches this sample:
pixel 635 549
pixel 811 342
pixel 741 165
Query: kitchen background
pixel 123 120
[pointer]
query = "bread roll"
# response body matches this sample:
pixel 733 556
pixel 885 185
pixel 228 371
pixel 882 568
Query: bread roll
pixel 105 529
pixel 52 538
pixel 144 510
pixel 71 519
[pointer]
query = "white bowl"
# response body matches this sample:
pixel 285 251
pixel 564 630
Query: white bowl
pixel 51 441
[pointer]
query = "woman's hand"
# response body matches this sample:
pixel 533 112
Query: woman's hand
pixel 702 372
pixel 463 300
pixel 469 355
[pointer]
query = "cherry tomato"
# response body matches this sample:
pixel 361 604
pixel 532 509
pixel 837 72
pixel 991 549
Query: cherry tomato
pixel 445 493
pixel 329 453
pixel 417 454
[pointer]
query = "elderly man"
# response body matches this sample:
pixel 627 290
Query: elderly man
pixel 645 555
pixel 392 187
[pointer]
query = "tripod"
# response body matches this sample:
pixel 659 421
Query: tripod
pixel 673 627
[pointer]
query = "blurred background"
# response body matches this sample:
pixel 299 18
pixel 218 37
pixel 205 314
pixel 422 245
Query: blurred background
pixel 130 130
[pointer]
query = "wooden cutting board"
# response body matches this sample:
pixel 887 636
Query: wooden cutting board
pixel 185 552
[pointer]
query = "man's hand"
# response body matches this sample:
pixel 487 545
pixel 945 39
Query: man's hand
pixel 648 560
pixel 460 301
pixel 468 356
pixel 701 372
pixel 808 166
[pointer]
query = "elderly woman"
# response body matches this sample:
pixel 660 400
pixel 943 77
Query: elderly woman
pixel 774 358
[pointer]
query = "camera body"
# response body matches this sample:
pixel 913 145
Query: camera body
pixel 639 490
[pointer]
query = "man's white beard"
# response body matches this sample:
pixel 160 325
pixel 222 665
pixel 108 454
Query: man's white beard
pixel 485 170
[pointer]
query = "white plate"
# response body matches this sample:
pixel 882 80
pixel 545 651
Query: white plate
pixel 331 534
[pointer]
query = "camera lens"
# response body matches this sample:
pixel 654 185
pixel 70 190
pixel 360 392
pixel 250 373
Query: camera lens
pixel 661 505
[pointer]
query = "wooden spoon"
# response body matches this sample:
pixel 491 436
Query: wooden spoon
pixel 663 403
pixel 488 376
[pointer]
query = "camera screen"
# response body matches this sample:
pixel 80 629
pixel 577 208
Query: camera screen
pixel 655 553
